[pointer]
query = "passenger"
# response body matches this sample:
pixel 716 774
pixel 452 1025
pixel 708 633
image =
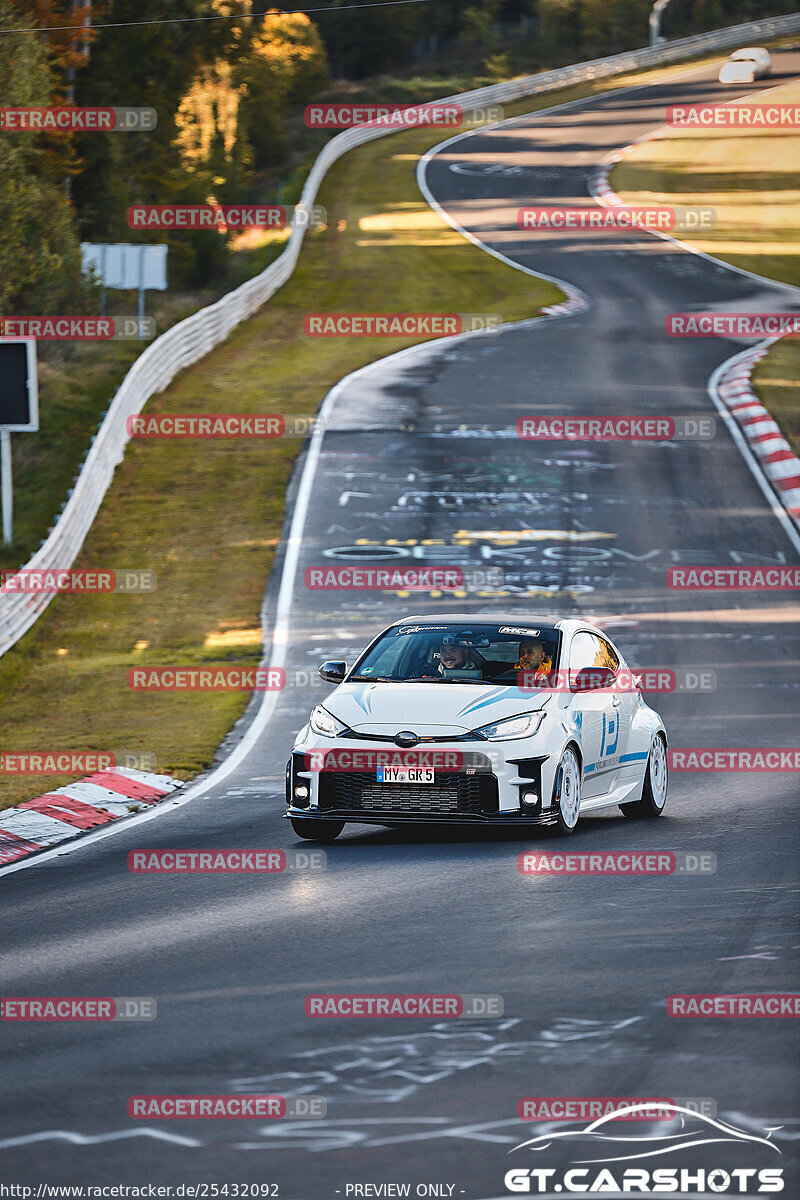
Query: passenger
pixel 533 660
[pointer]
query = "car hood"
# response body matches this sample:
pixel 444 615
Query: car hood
pixel 428 709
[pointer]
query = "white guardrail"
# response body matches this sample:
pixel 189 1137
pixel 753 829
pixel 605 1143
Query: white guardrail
pixel 189 340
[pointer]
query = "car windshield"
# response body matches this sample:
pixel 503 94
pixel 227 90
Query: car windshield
pixel 463 652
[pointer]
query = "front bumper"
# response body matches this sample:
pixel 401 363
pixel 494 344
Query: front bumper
pixel 489 795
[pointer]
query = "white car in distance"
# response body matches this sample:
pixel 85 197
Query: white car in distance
pixel 746 65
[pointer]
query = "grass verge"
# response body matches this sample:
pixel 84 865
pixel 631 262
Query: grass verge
pixel 206 515
pixel 776 381
pixel 749 178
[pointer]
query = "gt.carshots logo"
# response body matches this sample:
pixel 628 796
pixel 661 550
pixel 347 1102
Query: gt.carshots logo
pixel 601 1155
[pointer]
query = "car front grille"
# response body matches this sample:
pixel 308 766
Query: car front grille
pixel 450 795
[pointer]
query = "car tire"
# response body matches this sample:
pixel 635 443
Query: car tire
pixel 656 782
pixel 317 831
pixel 567 792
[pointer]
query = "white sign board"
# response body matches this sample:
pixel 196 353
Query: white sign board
pixel 126 266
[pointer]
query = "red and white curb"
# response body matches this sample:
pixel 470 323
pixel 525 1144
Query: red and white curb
pixel 67 812
pixel 574 304
pixel 775 456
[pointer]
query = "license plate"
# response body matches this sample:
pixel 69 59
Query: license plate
pixel 405 774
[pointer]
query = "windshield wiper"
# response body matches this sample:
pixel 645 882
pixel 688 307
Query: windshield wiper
pixel 374 679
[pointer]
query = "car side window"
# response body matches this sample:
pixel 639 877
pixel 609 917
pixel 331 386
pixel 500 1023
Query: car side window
pixel 582 652
pixel 589 650
pixel 607 656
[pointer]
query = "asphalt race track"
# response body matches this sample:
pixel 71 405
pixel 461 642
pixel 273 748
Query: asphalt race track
pixel 421 466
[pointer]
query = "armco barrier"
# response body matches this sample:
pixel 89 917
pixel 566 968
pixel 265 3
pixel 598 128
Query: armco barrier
pixel 189 340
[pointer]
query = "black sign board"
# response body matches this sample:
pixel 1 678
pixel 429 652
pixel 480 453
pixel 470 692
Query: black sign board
pixel 18 393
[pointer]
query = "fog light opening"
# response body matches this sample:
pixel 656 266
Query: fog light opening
pixel 301 792
pixel 529 798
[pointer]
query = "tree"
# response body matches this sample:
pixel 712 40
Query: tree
pixel 285 65
pixel 40 260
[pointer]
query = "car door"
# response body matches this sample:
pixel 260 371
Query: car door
pixel 625 699
pixel 594 715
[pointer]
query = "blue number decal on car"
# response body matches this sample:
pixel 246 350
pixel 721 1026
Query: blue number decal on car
pixel 610 726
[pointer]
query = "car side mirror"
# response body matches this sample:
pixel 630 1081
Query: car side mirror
pixel 591 679
pixel 333 672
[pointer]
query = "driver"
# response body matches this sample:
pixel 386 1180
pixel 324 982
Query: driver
pixel 533 659
pixel 455 661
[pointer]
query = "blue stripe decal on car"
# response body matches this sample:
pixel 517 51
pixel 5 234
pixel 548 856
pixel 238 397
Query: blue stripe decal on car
pixel 633 757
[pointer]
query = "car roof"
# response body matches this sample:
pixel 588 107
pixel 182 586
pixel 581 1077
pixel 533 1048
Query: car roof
pixel 518 620
pixel 737 54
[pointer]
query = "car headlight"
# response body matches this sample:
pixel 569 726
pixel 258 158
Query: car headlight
pixel 322 722
pixel 514 727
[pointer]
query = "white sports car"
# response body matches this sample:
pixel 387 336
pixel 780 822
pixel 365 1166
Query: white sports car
pixel 478 720
pixel 746 65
